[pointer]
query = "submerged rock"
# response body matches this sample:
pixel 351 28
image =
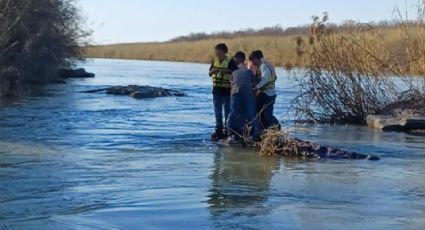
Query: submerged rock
pixel 139 92
pixel 75 73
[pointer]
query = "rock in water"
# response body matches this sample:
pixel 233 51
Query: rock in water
pixel 406 114
pixel 75 73
pixel 139 92
pixel 380 122
pixel 396 123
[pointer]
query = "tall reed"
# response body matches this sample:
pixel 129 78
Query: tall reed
pixel 352 75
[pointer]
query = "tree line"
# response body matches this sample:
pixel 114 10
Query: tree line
pixel 278 30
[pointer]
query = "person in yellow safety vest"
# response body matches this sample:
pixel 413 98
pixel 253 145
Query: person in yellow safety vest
pixel 220 71
pixel 266 89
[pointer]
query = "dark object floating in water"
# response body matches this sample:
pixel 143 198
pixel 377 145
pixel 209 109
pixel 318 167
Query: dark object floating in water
pixel 306 149
pixel 277 143
pixel 139 92
pixel 313 150
pixel 75 73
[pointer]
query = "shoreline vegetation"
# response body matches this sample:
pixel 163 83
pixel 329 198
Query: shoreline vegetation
pixel 352 70
pixel 282 46
pixel 353 75
pixel 186 51
pixel 38 38
pixel 281 50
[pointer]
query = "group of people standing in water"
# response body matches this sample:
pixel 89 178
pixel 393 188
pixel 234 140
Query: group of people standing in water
pixel 243 94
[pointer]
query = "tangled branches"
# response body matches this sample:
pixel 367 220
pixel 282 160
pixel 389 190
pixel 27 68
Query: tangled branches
pixel 352 75
pixel 37 37
pixel 273 142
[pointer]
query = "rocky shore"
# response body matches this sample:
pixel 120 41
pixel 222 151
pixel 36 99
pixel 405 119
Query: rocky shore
pixel 75 73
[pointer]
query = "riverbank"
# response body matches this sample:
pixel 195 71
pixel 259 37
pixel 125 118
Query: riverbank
pixel 32 53
pixel 281 50
pixel 277 48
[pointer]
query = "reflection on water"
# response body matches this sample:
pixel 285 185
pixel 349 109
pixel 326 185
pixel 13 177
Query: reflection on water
pixel 70 160
pixel 240 186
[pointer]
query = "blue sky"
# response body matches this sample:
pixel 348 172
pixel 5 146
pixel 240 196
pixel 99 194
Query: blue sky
pixel 116 21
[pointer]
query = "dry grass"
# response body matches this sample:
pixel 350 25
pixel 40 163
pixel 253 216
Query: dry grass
pixel 277 142
pixel 273 142
pixel 352 75
pixel 281 50
pixel 277 48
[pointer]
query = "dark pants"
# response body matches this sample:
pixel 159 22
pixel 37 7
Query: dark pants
pixel 265 105
pixel 221 101
pixel 242 109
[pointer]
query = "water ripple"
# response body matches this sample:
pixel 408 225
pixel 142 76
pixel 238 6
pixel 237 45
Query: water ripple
pixel 70 160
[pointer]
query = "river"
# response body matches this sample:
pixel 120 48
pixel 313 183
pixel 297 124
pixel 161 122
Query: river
pixel 70 160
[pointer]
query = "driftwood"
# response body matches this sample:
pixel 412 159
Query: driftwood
pixel 138 92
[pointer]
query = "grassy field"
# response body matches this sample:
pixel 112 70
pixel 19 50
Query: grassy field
pixel 279 50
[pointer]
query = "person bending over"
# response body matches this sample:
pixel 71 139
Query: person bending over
pixel 242 102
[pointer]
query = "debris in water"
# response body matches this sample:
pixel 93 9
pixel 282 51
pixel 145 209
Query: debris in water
pixel 278 143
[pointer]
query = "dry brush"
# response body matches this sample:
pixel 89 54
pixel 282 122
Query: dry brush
pixel 352 75
pixel 37 37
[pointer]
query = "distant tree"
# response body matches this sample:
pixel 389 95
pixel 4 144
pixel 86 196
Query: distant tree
pixel 315 30
pixel 276 30
pixel 37 37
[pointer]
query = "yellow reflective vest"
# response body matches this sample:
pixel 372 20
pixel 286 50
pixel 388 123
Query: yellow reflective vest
pixel 221 80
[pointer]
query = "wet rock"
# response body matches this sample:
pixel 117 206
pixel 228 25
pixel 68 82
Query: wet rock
pixel 379 122
pixel 407 114
pixel 118 90
pixel 404 123
pixel 75 73
pixel 139 92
